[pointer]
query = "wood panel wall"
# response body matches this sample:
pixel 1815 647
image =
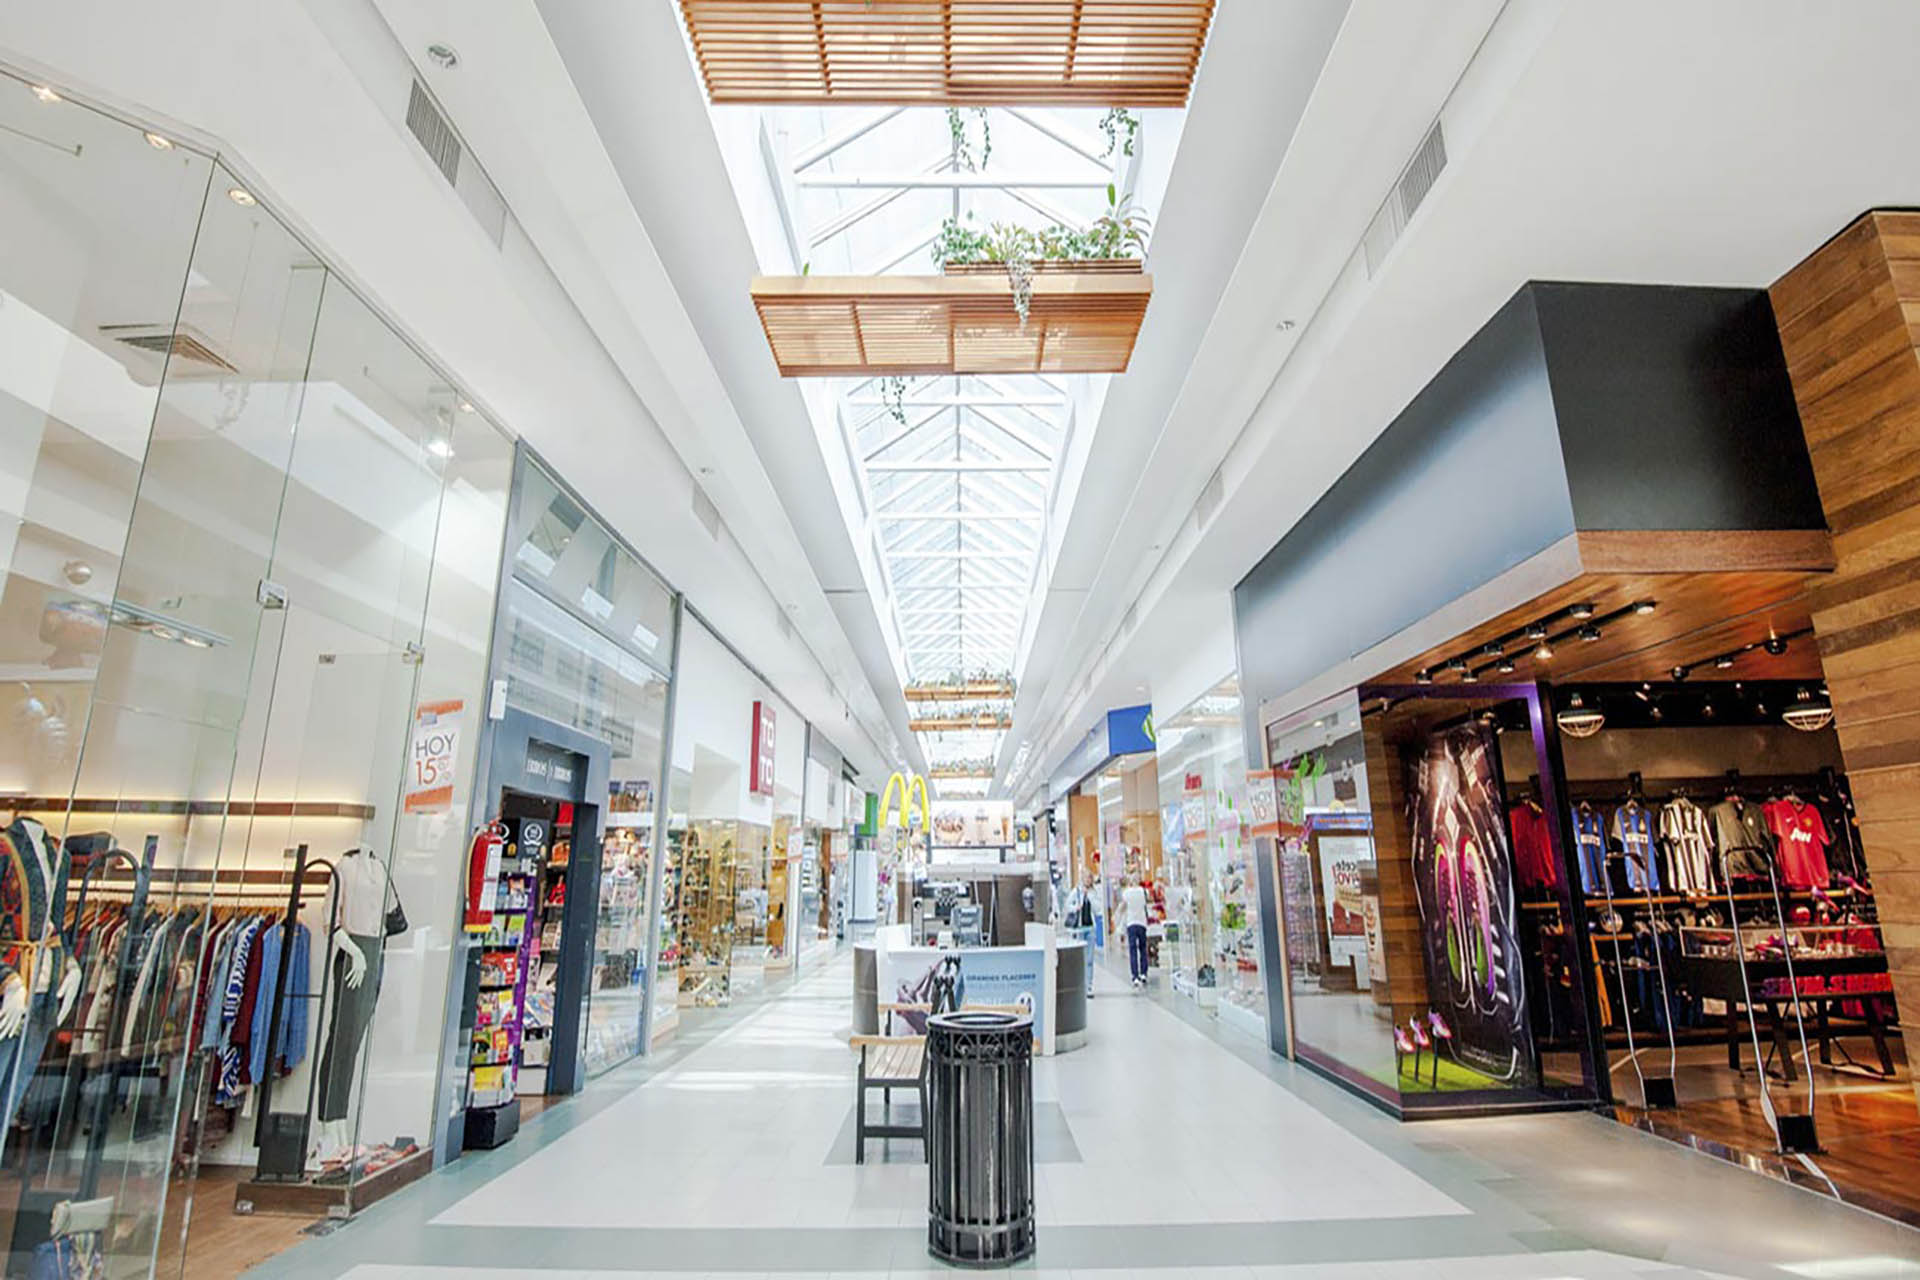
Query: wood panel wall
pixel 1407 991
pixel 1850 325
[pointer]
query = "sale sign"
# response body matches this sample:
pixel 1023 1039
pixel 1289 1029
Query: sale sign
pixel 433 756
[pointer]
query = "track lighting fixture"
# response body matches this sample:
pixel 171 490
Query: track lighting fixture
pixel 1423 677
pixel 1589 634
pixel 1644 607
pixel 1543 651
pixel 1679 674
pixel 1504 666
pixel 1775 645
pixel 1581 611
pixel 1724 662
pixel 1537 631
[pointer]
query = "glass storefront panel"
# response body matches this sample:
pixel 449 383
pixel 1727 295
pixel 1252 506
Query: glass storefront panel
pixel 232 562
pixel 587 638
pixel 1398 872
pixel 1213 899
pixel 733 851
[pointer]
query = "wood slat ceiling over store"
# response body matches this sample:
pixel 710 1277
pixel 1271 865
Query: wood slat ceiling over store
pixel 1697 615
pixel 861 326
pixel 1099 53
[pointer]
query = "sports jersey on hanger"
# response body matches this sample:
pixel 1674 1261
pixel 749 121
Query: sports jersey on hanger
pixel 1802 840
pixel 1740 834
pixel 1632 826
pixel 1590 843
pixel 1532 847
pixel 1684 830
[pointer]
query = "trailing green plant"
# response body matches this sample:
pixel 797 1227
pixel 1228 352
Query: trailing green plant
pixel 1116 122
pixel 1121 232
pixel 963 142
pixel 893 394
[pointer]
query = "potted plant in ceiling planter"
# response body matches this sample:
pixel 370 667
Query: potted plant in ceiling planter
pixel 1116 242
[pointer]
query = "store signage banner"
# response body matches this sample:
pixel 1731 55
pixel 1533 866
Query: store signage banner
pixel 760 775
pixel 1463 879
pixel 1130 730
pixel 433 757
pixel 1010 977
pixel 973 824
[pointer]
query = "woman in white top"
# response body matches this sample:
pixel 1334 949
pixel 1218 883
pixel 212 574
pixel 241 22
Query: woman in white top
pixel 1130 914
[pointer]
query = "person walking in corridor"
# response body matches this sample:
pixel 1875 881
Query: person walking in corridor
pixel 1131 916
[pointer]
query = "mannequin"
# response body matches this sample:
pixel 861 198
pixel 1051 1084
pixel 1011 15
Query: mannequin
pixel 356 943
pixel 37 986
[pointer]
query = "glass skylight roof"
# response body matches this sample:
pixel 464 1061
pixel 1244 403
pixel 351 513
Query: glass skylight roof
pixel 957 474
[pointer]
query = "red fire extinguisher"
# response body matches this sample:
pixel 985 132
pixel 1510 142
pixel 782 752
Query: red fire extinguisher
pixel 483 875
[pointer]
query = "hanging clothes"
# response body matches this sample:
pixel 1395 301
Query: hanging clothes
pixel 1590 844
pixel 1800 836
pixel 1632 826
pixel 1740 834
pixel 1533 858
pixel 1688 838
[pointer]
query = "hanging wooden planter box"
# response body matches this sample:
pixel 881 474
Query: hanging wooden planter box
pixel 1083 318
pixel 1097 53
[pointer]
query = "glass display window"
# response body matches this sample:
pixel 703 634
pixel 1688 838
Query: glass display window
pixel 1213 914
pixel 251 569
pixel 1413 974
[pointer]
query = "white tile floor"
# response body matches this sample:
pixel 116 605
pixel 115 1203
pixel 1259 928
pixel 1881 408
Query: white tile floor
pixel 1197 1156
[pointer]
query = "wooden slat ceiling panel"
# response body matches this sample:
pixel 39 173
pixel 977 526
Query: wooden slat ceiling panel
pixel 861 326
pixel 1105 53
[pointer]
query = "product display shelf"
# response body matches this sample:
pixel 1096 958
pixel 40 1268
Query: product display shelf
pixel 508 949
pixel 706 915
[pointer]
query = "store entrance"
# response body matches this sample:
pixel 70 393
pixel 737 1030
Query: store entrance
pixel 527 1017
pixel 1740 973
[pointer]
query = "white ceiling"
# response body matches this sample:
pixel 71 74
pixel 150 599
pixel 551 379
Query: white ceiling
pixel 569 331
pixel 1716 142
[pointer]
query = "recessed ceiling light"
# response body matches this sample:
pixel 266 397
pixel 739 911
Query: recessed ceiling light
pixel 444 56
pixel 242 197
pixel 159 142
pixel 45 93
pixel 439 447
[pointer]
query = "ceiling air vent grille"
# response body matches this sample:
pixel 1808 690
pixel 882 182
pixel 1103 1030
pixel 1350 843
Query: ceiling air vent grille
pixel 1416 180
pixel 168 340
pixel 1210 499
pixel 706 512
pixel 426 123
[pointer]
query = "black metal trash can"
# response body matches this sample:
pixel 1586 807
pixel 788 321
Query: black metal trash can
pixel 980 1138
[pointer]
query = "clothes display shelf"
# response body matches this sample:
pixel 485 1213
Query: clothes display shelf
pixel 1782 859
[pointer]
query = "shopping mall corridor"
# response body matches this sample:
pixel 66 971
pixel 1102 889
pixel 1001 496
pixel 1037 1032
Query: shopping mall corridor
pixel 1165 1147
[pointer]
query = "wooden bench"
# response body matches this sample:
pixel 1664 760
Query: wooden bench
pixel 889 1062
